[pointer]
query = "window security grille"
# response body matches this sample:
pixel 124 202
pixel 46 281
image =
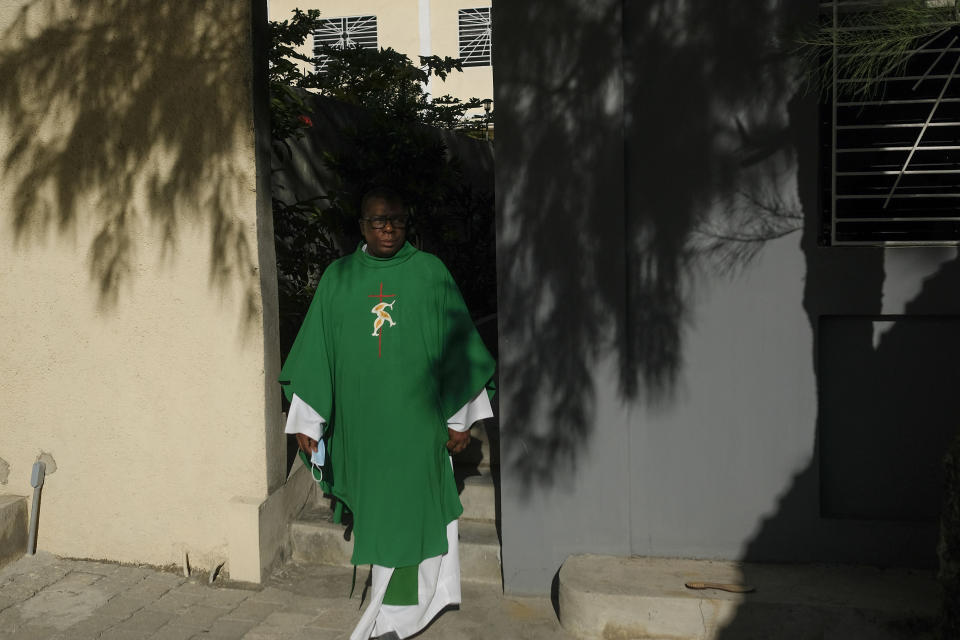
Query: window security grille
pixel 891 170
pixel 353 31
pixel 475 40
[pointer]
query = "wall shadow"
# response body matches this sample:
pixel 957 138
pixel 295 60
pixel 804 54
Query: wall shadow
pixel 124 121
pixel 683 116
pixel 872 490
pixel 705 138
pixel 667 112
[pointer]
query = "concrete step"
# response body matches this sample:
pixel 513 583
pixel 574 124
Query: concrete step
pixel 615 597
pixel 478 495
pixel 308 589
pixel 13 528
pixel 315 539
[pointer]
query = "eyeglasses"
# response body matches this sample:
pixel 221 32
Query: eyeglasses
pixel 397 222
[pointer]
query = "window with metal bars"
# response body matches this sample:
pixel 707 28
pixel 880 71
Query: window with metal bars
pixel 890 155
pixel 475 40
pixel 341 33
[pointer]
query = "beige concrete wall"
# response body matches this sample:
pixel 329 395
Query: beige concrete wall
pixel 137 277
pixel 398 26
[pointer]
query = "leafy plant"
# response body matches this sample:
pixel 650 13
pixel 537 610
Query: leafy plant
pixel 384 81
pixel 870 41
pixel 387 82
pixel 286 105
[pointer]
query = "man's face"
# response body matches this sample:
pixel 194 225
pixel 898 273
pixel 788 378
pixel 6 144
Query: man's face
pixel 386 241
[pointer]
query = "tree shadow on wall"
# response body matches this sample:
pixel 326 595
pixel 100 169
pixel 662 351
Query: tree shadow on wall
pixel 583 285
pixel 122 124
pixel 871 491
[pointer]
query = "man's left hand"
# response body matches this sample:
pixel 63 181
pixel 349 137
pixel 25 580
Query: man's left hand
pixel 458 440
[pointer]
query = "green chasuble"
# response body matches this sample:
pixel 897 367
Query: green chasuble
pixel 387 352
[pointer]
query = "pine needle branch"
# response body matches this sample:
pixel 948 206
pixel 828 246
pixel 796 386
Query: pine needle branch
pixel 870 42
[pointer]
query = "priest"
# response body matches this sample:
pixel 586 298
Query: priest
pixel 386 376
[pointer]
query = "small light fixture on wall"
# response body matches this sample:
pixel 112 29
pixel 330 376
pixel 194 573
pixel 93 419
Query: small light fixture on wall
pixel 487 108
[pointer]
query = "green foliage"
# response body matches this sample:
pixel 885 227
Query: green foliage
pixel 383 81
pixel 870 43
pixel 302 233
pixel 285 38
pixel 299 231
pixel 388 83
pixel 286 105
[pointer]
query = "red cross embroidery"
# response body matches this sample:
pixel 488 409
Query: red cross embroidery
pixel 380 296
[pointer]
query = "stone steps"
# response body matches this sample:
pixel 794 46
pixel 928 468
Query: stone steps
pixel 315 539
pixel 478 495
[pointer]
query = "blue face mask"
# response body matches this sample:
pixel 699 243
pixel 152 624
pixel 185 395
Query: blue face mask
pixel 319 456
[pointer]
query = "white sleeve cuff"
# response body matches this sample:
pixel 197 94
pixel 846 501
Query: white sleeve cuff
pixel 303 419
pixel 477 409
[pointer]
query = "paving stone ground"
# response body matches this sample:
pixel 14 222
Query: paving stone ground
pixel 50 598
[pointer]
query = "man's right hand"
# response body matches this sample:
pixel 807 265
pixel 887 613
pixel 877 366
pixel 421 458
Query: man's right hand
pixel 306 443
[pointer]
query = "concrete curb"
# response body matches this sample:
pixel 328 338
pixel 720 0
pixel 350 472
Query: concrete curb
pixel 614 597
